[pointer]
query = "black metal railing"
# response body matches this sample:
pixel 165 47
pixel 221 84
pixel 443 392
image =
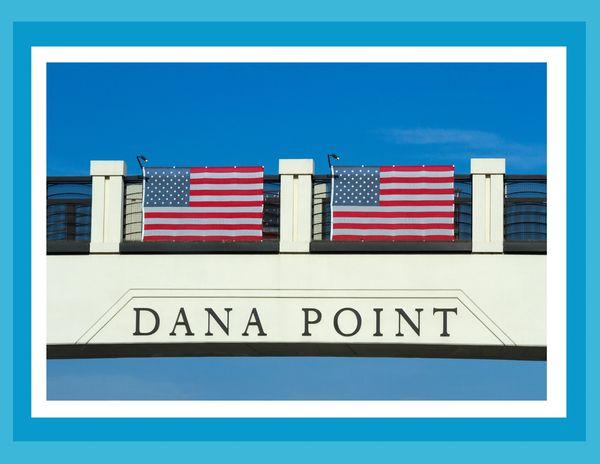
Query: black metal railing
pixel 132 209
pixel 321 207
pixel 272 187
pixel 132 212
pixel 68 208
pixel 525 205
pixel 463 198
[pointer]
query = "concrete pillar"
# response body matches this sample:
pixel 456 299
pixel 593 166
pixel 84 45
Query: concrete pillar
pixel 107 205
pixel 488 204
pixel 295 210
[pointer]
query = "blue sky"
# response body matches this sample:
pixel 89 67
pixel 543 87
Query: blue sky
pixel 254 114
pixel 231 114
pixel 295 378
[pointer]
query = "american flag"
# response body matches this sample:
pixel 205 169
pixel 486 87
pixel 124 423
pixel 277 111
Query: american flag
pixel 203 204
pixel 393 203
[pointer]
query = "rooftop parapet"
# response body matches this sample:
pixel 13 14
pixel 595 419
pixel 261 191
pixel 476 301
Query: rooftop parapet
pixel 494 213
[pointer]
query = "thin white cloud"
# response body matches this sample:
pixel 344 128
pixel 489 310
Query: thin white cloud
pixel 429 136
pixel 474 143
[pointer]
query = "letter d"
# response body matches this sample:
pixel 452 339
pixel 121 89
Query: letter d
pixel 137 321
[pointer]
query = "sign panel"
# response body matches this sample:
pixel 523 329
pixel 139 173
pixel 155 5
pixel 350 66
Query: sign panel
pixel 280 316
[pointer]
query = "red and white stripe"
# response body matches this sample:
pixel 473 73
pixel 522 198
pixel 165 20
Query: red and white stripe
pixel 226 204
pixel 415 203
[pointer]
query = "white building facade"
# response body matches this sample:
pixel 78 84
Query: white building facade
pixel 296 292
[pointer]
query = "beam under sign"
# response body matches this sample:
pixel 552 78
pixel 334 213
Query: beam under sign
pixel 387 350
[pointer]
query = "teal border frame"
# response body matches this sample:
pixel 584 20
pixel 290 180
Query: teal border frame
pixel 570 35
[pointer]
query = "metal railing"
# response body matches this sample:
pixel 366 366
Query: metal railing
pixel 132 212
pixel 525 204
pixel 272 188
pixel 132 209
pixel 463 220
pixel 68 208
pixel 321 207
